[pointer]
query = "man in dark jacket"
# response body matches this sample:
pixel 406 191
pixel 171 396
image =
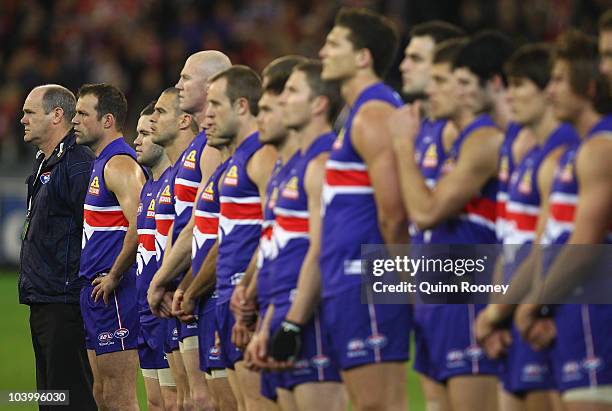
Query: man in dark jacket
pixel 49 273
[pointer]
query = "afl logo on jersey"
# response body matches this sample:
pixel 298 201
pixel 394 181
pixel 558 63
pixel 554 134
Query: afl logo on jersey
pixel 45 177
pixel 231 178
pixel 94 186
pixel 190 160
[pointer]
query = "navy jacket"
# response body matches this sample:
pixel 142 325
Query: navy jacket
pixel 51 248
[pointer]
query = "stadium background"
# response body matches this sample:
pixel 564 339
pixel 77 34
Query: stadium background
pixel 140 46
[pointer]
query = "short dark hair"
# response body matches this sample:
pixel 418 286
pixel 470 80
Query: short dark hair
pixel 580 52
pixel 605 21
pixel 438 30
pixel 57 96
pixel 276 74
pixel 149 109
pixel 485 55
pixel 319 87
pixel 242 82
pixel 372 31
pixel 175 93
pixel 531 61
pixel 111 100
pixel 448 50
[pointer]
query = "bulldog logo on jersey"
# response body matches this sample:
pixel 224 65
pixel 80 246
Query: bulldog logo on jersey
pixel 339 141
pixel 94 186
pixel 504 169
pixel 231 178
pixel 291 189
pixel 190 160
pixel 139 209
pixel 151 209
pixel 45 177
pixel 209 192
pixel 165 197
pixel 431 157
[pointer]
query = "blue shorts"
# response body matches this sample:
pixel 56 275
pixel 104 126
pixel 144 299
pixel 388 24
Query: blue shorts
pixel 113 327
pixel 360 334
pixel 429 347
pixel 151 343
pixel 582 354
pixel 171 342
pixel 208 341
pixel 314 363
pixel 230 354
pixel 525 370
pixel 269 380
pixel 461 354
pixel 188 330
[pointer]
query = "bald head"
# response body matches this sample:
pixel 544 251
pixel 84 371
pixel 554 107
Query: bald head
pixel 194 79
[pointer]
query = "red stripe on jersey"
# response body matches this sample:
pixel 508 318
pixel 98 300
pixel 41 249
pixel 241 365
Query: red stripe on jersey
pixel 239 211
pixel 105 218
pixel 482 207
pixel 347 178
pixel 524 222
pixel 147 241
pixel 163 226
pixel 267 233
pixel 293 224
pixel 563 212
pixel 185 193
pixel 501 209
pixel 207 225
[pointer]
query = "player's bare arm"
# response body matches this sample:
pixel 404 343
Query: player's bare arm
pixel 125 179
pixel 373 142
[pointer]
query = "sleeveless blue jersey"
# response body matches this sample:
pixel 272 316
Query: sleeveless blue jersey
pixel 505 168
pixel 267 248
pixel 430 155
pixel 164 212
pixel 186 183
pixel 291 224
pixel 476 223
pixel 104 224
pixel 145 258
pixel 523 206
pixel 350 218
pixel 239 221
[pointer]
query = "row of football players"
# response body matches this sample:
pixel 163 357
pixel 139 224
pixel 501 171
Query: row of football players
pixel 281 207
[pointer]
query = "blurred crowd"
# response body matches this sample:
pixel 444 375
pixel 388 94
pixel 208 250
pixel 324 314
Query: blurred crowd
pixel 140 45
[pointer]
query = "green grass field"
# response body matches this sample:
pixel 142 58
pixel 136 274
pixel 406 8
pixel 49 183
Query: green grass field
pixel 17 371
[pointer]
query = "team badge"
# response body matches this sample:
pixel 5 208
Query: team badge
pixel 139 209
pixel 165 197
pixel 209 192
pixel 190 160
pixel 151 209
pixel 291 189
pixel 431 157
pixel 94 186
pixel 231 178
pixel 525 184
pixel 45 177
pixel 504 169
